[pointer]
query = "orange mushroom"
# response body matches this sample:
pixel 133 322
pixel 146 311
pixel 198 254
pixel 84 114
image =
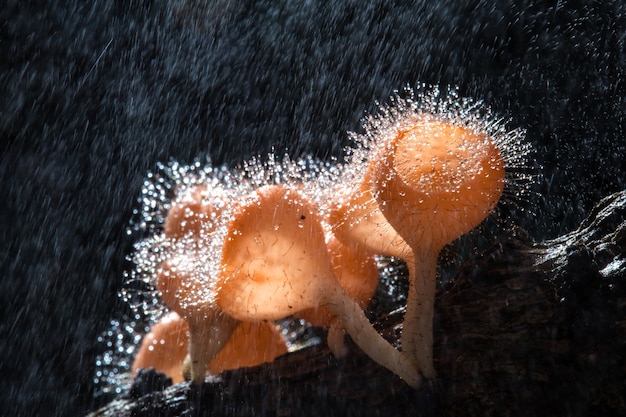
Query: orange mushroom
pixel 357 274
pixel 191 213
pixel 186 283
pixel 358 222
pixel 275 263
pixel 164 348
pixel 251 344
pixel 436 181
pixel 209 328
pixel 185 280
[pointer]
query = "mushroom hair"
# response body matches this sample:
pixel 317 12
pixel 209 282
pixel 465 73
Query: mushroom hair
pixel 429 168
pixel 238 249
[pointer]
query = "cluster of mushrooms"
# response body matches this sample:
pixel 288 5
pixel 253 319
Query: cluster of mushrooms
pixel 296 238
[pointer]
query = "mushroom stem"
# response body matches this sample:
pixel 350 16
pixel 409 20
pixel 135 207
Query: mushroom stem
pixel 417 330
pixel 357 273
pixel 206 340
pixel 209 328
pixel 369 340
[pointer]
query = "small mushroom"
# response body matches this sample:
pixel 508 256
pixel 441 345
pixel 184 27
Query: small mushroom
pixel 164 348
pixel 275 263
pixel 185 280
pixel 435 182
pixel 209 327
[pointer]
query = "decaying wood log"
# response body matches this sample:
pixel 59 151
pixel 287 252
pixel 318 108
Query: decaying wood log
pixel 525 329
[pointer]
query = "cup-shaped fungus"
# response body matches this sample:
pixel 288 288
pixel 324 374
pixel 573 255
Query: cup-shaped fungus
pixel 357 274
pixel 275 263
pixel 436 181
pixel 185 279
pixel 164 348
pixel 209 328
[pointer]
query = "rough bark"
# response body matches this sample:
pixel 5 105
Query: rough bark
pixel 525 329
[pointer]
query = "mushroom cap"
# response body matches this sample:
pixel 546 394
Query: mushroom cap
pixel 438 181
pixel 251 344
pixel 192 213
pixel 164 348
pixel 357 274
pixel 183 293
pixel 358 222
pixel 274 258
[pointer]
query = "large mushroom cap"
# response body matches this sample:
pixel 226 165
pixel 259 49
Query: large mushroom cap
pixel 439 180
pixel 274 259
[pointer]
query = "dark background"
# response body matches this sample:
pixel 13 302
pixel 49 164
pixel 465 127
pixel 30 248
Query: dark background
pixel 93 95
